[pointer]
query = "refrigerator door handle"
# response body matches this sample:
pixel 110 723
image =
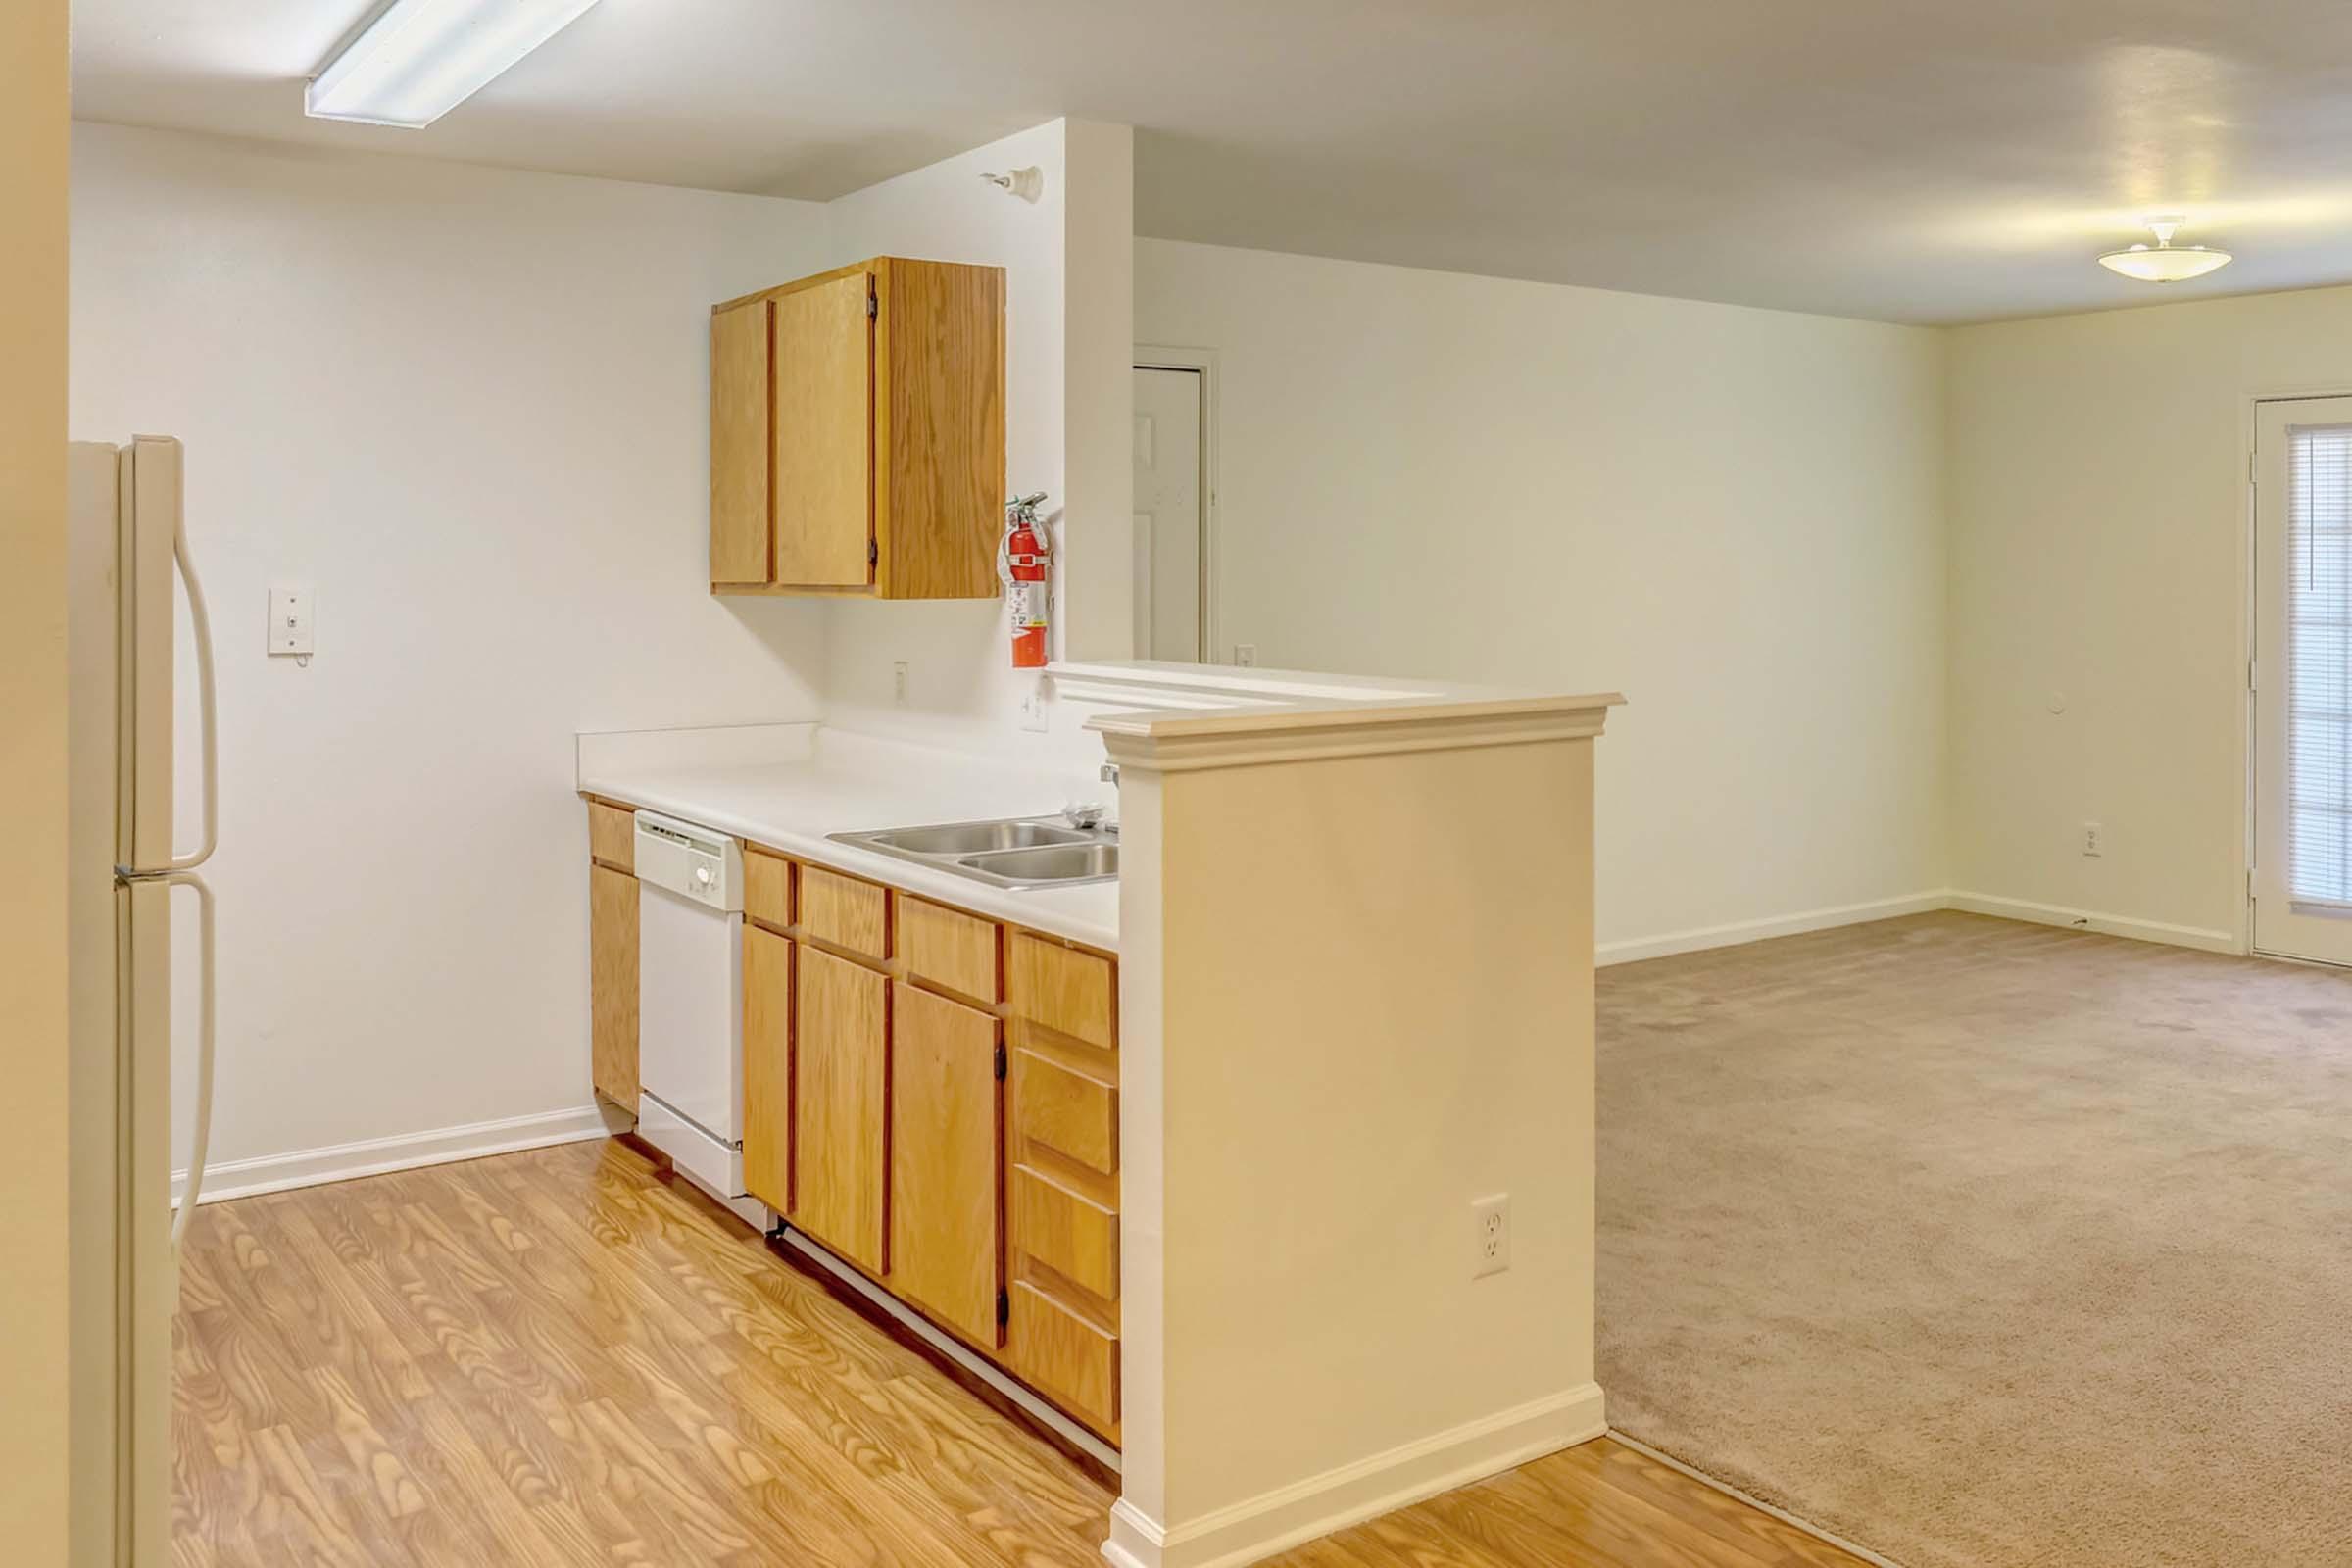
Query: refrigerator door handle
pixel 200 626
pixel 200 1143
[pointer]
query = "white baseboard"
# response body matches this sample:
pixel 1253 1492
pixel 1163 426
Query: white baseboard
pixel 1275 1521
pixel 2114 925
pixel 375 1156
pixel 1781 925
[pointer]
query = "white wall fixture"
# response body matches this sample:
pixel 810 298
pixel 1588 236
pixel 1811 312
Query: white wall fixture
pixel 422 58
pixel 1026 183
pixel 292 621
pixel 2164 262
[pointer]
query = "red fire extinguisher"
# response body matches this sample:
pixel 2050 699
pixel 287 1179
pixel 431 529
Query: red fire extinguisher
pixel 1021 562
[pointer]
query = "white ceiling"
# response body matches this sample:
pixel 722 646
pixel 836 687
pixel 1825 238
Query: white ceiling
pixel 1903 160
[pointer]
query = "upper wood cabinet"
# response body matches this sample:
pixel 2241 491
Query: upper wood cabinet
pixel 857 433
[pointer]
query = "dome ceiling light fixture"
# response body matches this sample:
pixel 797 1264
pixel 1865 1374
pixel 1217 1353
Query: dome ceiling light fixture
pixel 2164 262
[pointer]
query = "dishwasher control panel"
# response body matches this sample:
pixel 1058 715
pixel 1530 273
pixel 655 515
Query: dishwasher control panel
pixel 691 862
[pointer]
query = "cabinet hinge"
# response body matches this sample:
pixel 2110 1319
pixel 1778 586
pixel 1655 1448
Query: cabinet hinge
pixel 1003 1310
pixel 873 306
pixel 873 552
pixel 999 1061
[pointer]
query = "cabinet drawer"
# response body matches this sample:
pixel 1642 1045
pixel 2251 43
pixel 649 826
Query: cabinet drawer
pixel 1067 1111
pixel 1061 988
pixel 947 946
pixel 612 836
pixel 1065 1354
pixel 1068 1232
pixel 845 911
pixel 766 888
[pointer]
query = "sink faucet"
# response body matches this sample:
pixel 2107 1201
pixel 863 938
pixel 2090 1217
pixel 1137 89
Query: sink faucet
pixel 1090 816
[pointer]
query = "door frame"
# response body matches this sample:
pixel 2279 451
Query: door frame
pixel 2248 634
pixel 1202 363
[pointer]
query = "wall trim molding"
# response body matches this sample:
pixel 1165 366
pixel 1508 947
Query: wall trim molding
pixel 2112 925
pixel 378 1156
pixel 1381 1483
pixel 1237 738
pixel 1633 950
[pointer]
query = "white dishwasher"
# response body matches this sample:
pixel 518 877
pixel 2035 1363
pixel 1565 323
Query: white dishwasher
pixel 689 1005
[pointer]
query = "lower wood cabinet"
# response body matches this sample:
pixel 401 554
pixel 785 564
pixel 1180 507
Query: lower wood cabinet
pixel 1067 1355
pixel 612 984
pixel 933 1095
pixel 946 1140
pixel 841 1068
pixel 767 1066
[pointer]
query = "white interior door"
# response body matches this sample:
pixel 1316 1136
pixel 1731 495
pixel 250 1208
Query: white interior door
pixel 1169 518
pixel 2302 881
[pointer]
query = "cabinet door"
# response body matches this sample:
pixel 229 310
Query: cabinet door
pixel 945 1130
pixel 841 1066
pixel 742 483
pixel 767 1067
pixel 823 406
pixel 612 985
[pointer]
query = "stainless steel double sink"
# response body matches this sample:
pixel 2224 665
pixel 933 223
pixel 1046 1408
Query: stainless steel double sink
pixel 1027 851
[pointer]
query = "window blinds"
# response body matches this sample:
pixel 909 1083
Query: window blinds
pixel 2319 696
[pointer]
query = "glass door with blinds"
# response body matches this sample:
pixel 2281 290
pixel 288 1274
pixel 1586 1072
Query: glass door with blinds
pixel 2302 775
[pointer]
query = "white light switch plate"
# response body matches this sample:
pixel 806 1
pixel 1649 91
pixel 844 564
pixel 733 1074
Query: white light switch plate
pixel 291 619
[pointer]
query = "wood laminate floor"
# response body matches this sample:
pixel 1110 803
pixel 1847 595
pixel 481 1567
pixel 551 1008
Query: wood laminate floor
pixel 561 1358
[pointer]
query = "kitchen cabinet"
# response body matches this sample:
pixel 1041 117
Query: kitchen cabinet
pixel 1063 1164
pixel 841 1066
pixel 766 1065
pixel 857 433
pixel 930 1093
pixel 947 1138
pixel 611 956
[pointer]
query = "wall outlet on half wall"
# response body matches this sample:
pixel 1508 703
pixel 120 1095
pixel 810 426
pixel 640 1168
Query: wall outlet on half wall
pixel 1492 1216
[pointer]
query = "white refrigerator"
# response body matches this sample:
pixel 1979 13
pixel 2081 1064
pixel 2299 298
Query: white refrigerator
pixel 128 561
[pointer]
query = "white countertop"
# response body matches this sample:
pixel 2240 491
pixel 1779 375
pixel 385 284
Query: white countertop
pixel 787 786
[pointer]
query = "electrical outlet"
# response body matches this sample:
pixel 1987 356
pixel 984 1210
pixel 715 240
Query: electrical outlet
pixel 1245 653
pixel 1033 705
pixel 2095 840
pixel 1490 1217
pixel 290 620
pixel 897 682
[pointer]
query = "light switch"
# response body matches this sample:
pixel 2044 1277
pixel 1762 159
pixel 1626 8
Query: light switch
pixel 290 629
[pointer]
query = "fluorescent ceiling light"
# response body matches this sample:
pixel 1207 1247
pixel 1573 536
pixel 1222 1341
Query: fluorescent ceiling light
pixel 422 58
pixel 2164 262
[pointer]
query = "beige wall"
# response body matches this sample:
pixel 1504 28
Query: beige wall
pixel 466 406
pixel 32 774
pixel 1733 516
pixel 1326 1057
pixel 1067 320
pixel 2100 556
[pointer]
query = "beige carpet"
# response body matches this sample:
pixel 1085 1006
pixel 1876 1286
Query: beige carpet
pixel 1989 1245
